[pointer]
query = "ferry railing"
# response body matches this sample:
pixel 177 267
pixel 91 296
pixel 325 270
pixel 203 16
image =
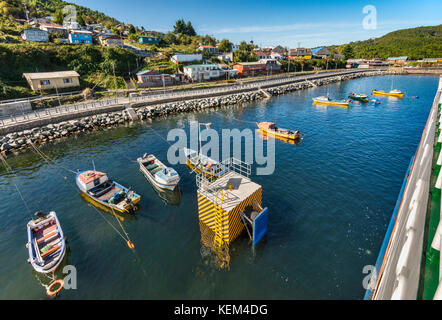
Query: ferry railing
pixel 397 268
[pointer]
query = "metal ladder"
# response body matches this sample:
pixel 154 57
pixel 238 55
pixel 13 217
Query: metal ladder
pixel 218 239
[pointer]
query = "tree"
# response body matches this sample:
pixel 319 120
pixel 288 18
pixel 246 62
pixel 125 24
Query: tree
pixel 80 20
pixel 132 29
pixel 190 31
pixel 348 52
pixel 180 27
pixel 169 38
pixel 58 17
pixel 225 45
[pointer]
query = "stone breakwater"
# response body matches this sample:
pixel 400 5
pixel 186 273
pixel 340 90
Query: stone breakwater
pixel 16 141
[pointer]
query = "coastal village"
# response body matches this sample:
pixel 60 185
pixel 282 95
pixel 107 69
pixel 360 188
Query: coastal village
pixel 220 61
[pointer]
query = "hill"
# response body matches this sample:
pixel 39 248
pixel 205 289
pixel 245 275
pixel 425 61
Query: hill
pixel 416 43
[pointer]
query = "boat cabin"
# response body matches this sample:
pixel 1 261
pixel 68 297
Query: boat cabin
pixel 92 179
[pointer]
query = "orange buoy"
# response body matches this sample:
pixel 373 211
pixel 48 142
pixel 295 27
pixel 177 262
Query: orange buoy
pixel 51 292
pixel 130 244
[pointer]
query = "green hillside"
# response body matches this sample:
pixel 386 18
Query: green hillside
pixel 416 43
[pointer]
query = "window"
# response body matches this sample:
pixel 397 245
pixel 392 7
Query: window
pixel 45 82
pixel 67 80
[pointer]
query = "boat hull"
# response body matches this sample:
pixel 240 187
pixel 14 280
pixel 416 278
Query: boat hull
pixel 388 94
pixel 32 248
pixel 331 103
pixel 360 99
pixel 157 182
pixel 278 135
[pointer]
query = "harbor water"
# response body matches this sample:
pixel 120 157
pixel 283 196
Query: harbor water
pixel 330 200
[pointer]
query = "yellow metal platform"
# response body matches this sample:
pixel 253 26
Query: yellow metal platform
pixel 221 202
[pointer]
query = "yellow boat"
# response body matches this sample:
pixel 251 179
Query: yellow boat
pixel 392 93
pixel 270 129
pixel 212 169
pixel 327 101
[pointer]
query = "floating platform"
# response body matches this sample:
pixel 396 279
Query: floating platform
pixel 228 205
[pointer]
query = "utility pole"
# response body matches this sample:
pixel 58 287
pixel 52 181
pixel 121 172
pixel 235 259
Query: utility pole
pixel 27 12
pixel 115 78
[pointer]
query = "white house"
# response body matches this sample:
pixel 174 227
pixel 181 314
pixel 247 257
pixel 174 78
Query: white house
pixel 202 72
pixel 228 57
pixel 35 35
pixel 186 57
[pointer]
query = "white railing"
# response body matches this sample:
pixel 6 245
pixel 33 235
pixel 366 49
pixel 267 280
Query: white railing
pixel 398 265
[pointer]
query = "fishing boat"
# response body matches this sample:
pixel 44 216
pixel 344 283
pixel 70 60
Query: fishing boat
pixel 46 244
pixel 271 129
pixel 157 173
pixel 392 93
pixel 211 168
pixel 358 97
pixel 326 100
pixel 105 192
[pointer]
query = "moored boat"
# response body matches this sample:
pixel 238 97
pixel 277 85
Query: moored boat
pixel 271 129
pixel 211 168
pixel 157 173
pixel 326 100
pixel 46 244
pixel 358 97
pixel 392 93
pixel 105 192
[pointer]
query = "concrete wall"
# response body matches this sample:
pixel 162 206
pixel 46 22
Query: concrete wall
pixel 7 109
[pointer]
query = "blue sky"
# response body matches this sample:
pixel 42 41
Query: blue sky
pixel 278 22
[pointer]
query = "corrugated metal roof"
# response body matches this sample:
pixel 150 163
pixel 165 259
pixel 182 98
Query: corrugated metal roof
pixel 50 75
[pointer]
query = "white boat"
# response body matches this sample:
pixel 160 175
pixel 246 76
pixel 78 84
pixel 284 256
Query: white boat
pixel 157 173
pixel 211 168
pixel 46 243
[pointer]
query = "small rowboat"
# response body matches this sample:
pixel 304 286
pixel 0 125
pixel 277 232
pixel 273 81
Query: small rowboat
pixel 105 192
pixel 270 128
pixel 211 168
pixel 157 173
pixel 392 93
pixel 46 243
pixel 326 100
pixel 358 97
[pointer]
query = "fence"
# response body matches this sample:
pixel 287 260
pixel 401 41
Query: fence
pixel 398 263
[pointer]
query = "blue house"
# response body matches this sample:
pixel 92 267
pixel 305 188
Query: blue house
pixel 148 40
pixel 80 37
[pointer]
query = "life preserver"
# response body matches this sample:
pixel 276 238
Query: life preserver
pixel 49 291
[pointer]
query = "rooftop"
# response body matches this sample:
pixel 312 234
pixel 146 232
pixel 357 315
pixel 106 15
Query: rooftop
pixel 50 75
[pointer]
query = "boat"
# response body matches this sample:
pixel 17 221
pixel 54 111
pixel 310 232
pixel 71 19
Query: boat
pixel 211 168
pixel 270 128
pixel 326 100
pixel 157 173
pixel 358 97
pixel 392 93
pixel 105 192
pixel 46 243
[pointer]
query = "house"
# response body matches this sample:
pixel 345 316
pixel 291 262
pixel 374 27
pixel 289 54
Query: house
pixel 52 80
pixel 211 49
pixel 111 41
pixel 246 69
pixel 321 52
pixel 235 47
pixel 53 28
pixel 399 60
pixel 72 25
pixel 186 57
pixel 203 72
pixel 227 57
pixel 35 35
pixel 272 65
pixel 150 78
pixel 276 56
pixel 300 53
pixel 263 54
pixel 80 37
pixel 278 50
pixel 148 40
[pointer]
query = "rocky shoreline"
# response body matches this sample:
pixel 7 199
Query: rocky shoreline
pixel 16 141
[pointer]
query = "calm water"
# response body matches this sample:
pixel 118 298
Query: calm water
pixel 330 201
